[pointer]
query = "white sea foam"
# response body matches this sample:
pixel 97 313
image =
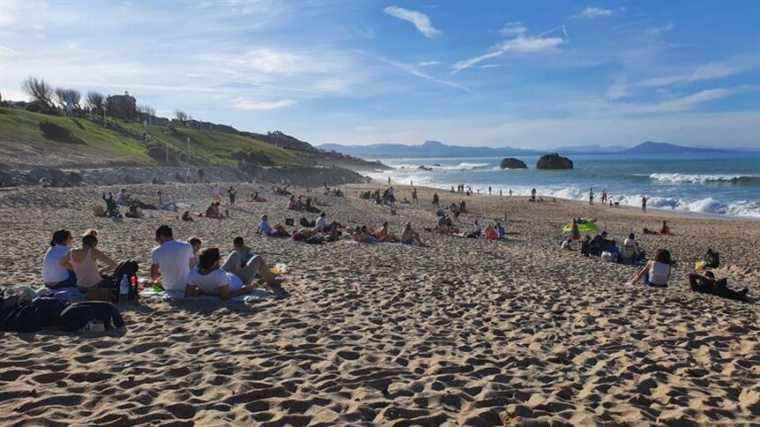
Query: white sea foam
pixel 680 178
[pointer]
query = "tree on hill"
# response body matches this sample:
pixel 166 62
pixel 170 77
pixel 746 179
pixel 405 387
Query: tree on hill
pixel 95 101
pixel 40 92
pixel 181 116
pixel 68 99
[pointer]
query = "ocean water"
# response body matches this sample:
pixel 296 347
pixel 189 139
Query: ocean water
pixel 727 185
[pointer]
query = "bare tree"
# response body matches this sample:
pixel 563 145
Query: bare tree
pixel 181 116
pixel 68 99
pixel 39 91
pixel 146 110
pixel 95 101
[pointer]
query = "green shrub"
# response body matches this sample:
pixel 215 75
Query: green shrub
pixel 58 133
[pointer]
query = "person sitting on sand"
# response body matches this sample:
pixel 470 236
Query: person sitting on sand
pixel 656 273
pixel 631 249
pixel 208 278
pixel 362 235
pixel 567 243
pixel 491 233
pixel 112 209
pixel 321 223
pixel 586 246
pixel 246 265
pixel 575 233
pixel 383 234
pixel 708 284
pixel 54 274
pixel 410 237
pixel 122 198
pixel 187 217
pixel 501 232
pixel 476 232
pixel 665 230
pixel 170 261
pixel 267 230
pixel 196 243
pixel 213 211
pixel 134 212
pixel 84 263
pixel 166 204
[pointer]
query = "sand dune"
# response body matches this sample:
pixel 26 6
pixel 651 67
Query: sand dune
pixel 462 332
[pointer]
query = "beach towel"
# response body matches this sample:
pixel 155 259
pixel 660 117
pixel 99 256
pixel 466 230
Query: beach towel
pixel 586 227
pixel 179 296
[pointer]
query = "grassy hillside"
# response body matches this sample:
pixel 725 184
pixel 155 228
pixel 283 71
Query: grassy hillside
pixel 91 143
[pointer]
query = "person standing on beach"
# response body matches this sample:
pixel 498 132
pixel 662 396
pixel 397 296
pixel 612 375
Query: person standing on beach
pixel 591 196
pixel 414 197
pixel 435 199
pixel 232 194
pixel 532 194
pixel 489 190
pixel 644 203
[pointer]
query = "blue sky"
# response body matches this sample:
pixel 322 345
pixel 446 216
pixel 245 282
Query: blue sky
pixel 520 73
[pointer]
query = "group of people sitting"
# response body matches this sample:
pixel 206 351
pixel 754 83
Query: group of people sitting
pixel 383 234
pixel 608 249
pixel 181 268
pixel 298 204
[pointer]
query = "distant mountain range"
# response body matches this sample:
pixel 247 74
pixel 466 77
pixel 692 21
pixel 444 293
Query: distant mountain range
pixel 428 149
pixel 439 149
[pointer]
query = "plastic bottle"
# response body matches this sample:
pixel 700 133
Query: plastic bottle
pixel 135 288
pixel 124 289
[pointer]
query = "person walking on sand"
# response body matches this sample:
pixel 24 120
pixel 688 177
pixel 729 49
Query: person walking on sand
pixel 644 203
pixel 415 200
pixel 591 196
pixel 232 194
pixel 532 195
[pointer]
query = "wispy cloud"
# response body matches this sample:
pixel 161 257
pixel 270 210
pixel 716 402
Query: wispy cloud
pixel 711 71
pixel 411 69
pixel 677 105
pixel 657 31
pixel 428 63
pixel 418 19
pixel 512 29
pixel 594 12
pixel 520 44
pixel 254 105
pixel 618 89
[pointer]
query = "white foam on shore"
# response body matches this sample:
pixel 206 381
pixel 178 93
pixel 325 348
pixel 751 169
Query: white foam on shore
pixel 679 178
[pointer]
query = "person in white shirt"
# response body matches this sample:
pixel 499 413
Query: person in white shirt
pixel 321 223
pixel 656 273
pixel 54 275
pixel 208 278
pixel 171 261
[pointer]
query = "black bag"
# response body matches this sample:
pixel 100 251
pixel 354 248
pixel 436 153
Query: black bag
pixel 126 269
pixel 289 222
pixel 306 223
pixel 712 259
pixel 32 317
pixel 76 316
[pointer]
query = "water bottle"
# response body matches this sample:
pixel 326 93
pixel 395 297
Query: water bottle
pixel 124 289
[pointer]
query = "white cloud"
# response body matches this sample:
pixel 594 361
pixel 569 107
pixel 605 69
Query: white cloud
pixel 418 19
pixel 676 105
pixel 428 63
pixel 618 89
pixel 511 29
pixel 711 71
pixel 254 105
pixel 521 44
pixel 657 31
pixel 689 102
pixel 594 12
pixel 411 69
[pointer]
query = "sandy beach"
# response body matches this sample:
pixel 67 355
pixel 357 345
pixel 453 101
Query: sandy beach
pixel 460 332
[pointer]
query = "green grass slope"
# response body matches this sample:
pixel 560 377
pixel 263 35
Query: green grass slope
pixel 23 143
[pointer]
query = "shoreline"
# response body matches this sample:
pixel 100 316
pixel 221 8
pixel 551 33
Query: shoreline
pixel 623 208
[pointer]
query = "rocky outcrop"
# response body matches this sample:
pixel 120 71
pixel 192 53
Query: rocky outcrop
pixel 307 176
pixel 512 163
pixel 554 161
